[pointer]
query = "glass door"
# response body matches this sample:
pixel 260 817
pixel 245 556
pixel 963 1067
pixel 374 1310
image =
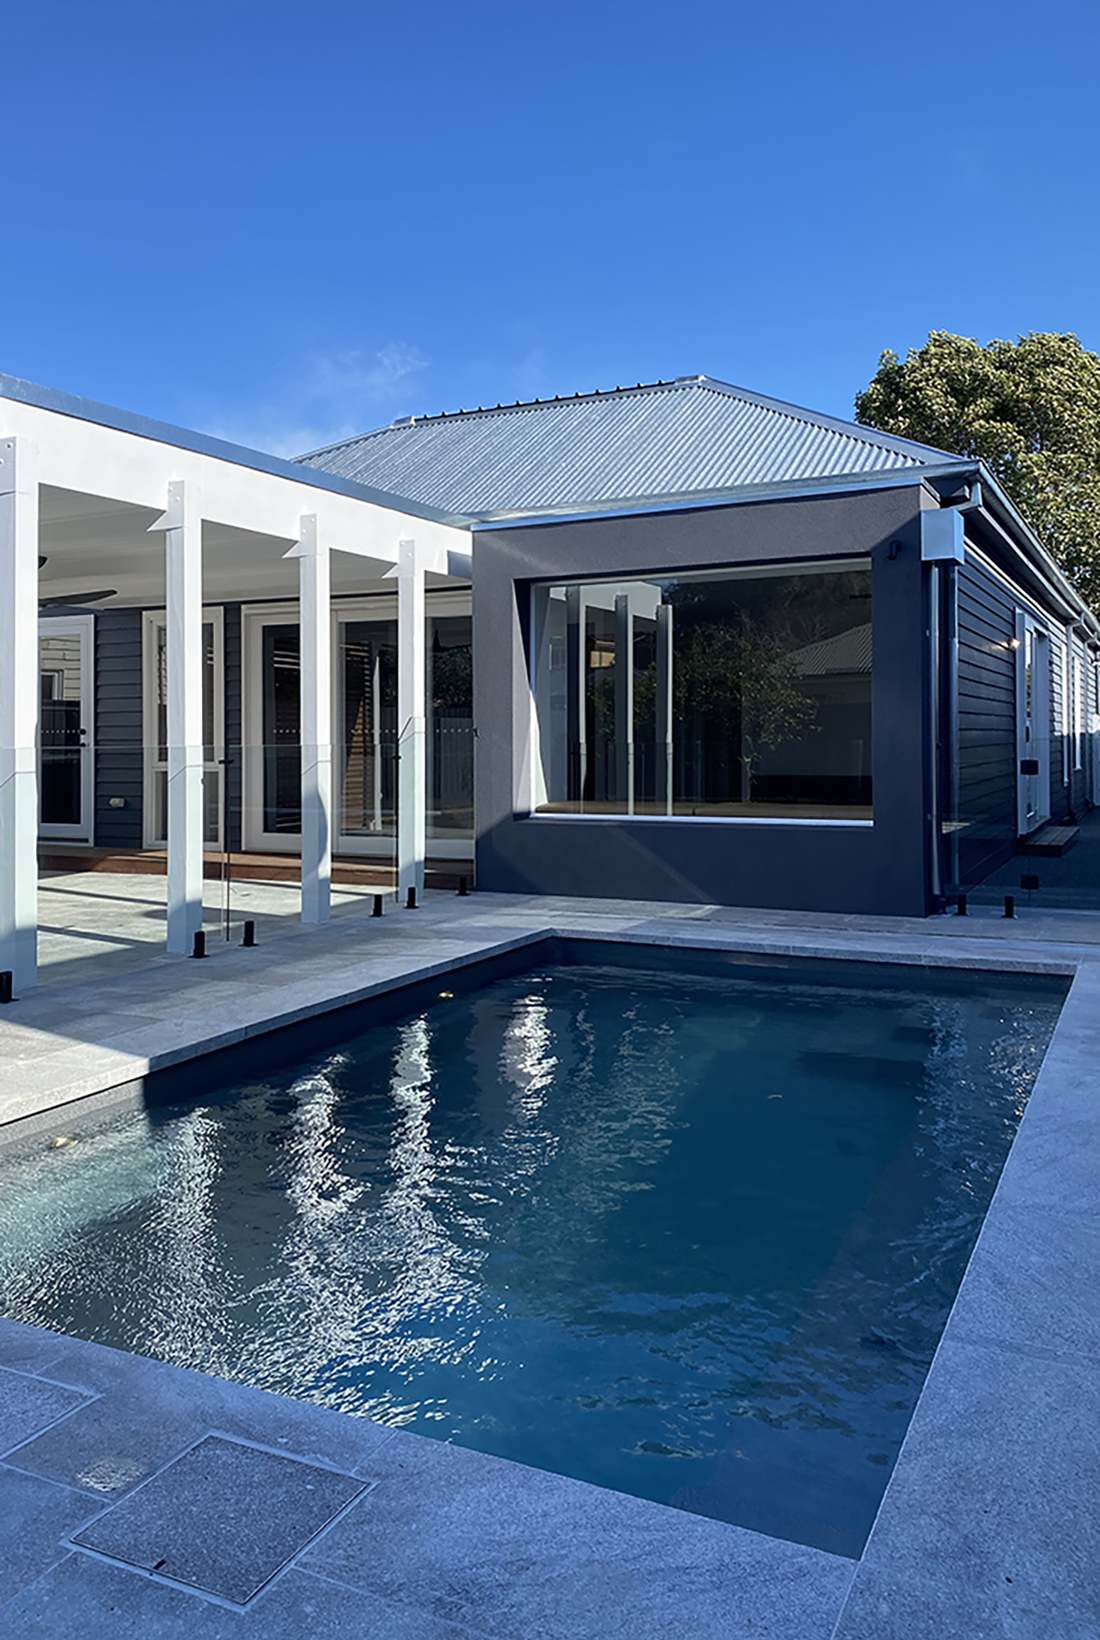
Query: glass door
pixel 66 759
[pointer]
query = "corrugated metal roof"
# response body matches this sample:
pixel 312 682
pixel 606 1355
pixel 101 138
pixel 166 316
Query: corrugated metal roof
pixel 847 652
pixel 666 439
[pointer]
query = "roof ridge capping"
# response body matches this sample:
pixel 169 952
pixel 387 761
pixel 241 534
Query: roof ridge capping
pixel 915 452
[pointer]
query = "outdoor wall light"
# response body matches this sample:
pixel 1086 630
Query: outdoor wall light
pixel 1011 643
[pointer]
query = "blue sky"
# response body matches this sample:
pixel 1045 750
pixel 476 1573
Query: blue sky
pixel 287 222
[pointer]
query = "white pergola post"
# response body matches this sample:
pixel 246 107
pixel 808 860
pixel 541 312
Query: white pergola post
pixel 19 689
pixel 663 726
pixel 182 526
pixel 314 580
pixel 412 786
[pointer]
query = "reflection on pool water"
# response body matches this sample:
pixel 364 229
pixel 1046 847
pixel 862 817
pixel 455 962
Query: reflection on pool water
pixel 691 1237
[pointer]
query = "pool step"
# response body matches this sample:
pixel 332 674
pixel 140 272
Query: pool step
pixel 1049 841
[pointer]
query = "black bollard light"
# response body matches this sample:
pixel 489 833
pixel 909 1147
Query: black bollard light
pixel 410 900
pixel 6 979
pixel 377 912
pixel 249 933
pixel 199 949
pixel 960 905
pixel 463 887
pixel 1010 906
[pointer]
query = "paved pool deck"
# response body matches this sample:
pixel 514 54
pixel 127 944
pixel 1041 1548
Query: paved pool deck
pixel 142 1499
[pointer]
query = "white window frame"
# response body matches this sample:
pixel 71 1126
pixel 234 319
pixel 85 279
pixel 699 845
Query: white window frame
pixel 151 619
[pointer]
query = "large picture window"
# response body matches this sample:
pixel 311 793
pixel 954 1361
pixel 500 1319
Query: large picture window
pixel 726 693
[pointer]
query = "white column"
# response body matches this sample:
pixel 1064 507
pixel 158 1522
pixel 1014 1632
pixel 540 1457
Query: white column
pixel 316 721
pixel 624 699
pixel 18 712
pixel 663 725
pixel 411 750
pixel 182 526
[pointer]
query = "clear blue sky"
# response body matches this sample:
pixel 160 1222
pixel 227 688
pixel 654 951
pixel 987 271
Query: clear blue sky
pixel 285 222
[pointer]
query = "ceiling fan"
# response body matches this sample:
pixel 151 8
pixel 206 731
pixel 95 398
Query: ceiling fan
pixel 74 600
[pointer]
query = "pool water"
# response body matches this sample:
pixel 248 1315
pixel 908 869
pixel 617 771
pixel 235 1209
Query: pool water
pixel 692 1237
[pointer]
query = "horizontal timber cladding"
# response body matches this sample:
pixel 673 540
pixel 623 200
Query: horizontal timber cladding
pixel 118 728
pixel 818 866
pixel 986 795
pixel 1060 755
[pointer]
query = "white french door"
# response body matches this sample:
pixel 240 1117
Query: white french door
pixel 1033 660
pixel 66 731
pixel 365 728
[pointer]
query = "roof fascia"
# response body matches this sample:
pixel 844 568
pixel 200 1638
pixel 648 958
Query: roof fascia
pixel 1017 534
pixel 238 455
pixel 695 501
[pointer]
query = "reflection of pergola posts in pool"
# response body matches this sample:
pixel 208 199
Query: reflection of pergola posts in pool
pixel 19 692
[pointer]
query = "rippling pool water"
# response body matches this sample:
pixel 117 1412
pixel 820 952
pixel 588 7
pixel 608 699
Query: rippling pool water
pixel 691 1237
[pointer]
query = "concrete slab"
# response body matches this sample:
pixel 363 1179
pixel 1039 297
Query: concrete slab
pixel 29 1405
pixel 224 1517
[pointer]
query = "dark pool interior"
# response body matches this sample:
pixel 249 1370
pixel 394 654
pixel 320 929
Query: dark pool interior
pixel 686 1228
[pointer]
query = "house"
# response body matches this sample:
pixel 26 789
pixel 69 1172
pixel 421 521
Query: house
pixel 679 641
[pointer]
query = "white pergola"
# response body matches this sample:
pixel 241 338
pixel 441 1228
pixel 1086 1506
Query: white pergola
pixel 106 494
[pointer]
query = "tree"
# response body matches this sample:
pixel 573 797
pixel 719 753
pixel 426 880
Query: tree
pixel 1030 409
pixel 747 686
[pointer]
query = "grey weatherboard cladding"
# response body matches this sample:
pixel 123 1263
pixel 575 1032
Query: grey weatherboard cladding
pixel 677 438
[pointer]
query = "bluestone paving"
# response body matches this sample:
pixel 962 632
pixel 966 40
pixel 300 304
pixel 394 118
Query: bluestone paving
pixel 37 1516
pixel 523 1555
pixel 29 1405
pixel 85 1599
pixel 987 1527
pixel 223 1517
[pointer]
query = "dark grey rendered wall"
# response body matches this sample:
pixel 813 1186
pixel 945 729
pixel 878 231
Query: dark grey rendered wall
pixel 883 868
pixel 118 730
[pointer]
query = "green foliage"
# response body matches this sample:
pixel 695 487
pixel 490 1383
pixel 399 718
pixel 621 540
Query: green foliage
pixel 1030 409
pixel 747 685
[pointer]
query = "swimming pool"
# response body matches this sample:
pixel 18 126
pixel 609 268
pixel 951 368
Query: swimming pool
pixel 688 1234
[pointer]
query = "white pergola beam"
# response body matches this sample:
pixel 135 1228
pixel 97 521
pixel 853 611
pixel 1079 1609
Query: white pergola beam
pixel 412 785
pixel 88 457
pixel 182 526
pixel 314 572
pixel 18 711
